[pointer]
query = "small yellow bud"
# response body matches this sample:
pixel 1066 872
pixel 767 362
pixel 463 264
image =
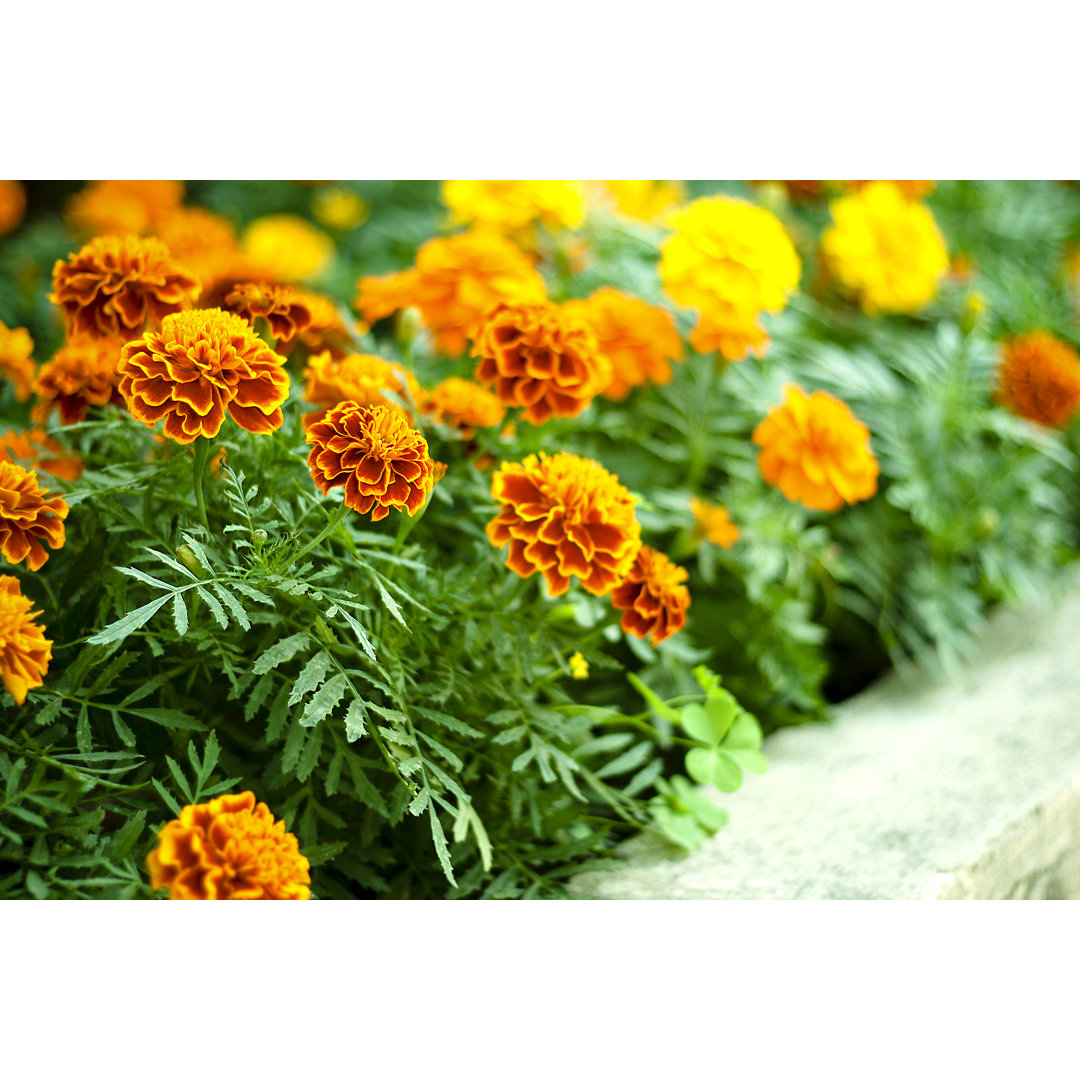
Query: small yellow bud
pixel 579 666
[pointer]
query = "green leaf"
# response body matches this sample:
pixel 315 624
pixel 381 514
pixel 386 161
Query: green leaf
pixel 125 837
pixel 360 632
pixel 180 613
pixel 169 801
pixel 714 767
pixel 661 708
pixel 324 700
pixel 140 576
pixel 215 608
pixel 354 720
pixel 173 563
pixel 745 733
pixel 441 850
pixel 752 761
pixel 170 718
pixel 180 778
pixel 120 629
pixel 235 607
pixel 82 731
pixel 127 736
pixel 311 676
pixel 252 593
pixel 709 723
pixel 279 652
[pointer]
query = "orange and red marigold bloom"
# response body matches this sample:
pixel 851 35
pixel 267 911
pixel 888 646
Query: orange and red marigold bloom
pixel 541 359
pixel 35 449
pixel 1040 379
pixel 652 596
pixel 117 286
pixel 25 652
pixel 229 849
pixel 281 306
pixel 16 359
pixel 356 377
pixel 122 206
pixel 198 366
pixel 565 516
pixel 463 405
pixel 27 517
pixel 713 523
pixel 81 374
pixel 815 451
pixel 382 462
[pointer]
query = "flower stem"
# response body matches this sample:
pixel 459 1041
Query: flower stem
pixel 405 526
pixel 331 525
pixel 202 456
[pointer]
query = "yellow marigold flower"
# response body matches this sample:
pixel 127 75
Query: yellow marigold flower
pixel 381 461
pixel 198 366
pixel 913 189
pixel 25 652
pixel 886 249
pixel 27 517
pixel 229 849
pixel 638 339
pixel 280 305
pixel 205 244
pixel 713 523
pixel 287 247
pixel 339 209
pixel 542 359
pixel 116 207
pixel 461 404
pixel 514 207
pixel 34 448
pixel 579 666
pixel 16 361
pixel 118 286
pixel 730 261
pixel 358 378
pixel 815 451
pixel 12 205
pixel 652 596
pixel 457 280
pixel 1040 379
pixel 81 374
pixel 645 200
pixel 564 515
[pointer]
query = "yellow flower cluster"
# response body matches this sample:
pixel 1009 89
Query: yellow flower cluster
pixel 515 207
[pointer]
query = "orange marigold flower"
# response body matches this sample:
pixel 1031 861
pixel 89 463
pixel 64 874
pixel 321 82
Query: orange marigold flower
pixel 12 205
pixel 564 515
pixel 205 244
pixel 713 523
pixel 117 286
pixel 461 404
pixel 35 449
pixel 541 358
pixel 280 305
pixel 287 247
pixel 81 374
pixel 16 361
pixel 359 378
pixel 375 454
pixel 652 596
pixel 640 340
pixel 116 207
pixel 1040 379
pixel 815 451
pixel 457 280
pixel 27 517
pixel 327 331
pixel 229 849
pixel 25 652
pixel 197 366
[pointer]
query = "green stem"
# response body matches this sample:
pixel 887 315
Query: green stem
pixel 202 456
pixel 405 526
pixel 331 525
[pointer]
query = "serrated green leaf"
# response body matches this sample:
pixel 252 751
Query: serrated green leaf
pixel 131 622
pixel 279 653
pixel 215 608
pixel 235 607
pixel 311 675
pixel 324 700
pixel 180 614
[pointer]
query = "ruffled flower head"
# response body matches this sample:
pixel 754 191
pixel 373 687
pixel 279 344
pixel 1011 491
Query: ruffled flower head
pixel 382 462
pixel 27 517
pixel 1040 379
pixel 565 516
pixel 356 377
pixel 815 451
pixel 35 449
pixel 713 523
pixel 229 849
pixel 287 247
pixel 645 200
pixel 12 205
pixel 117 286
pixel 16 359
pixel 81 374
pixel 515 207
pixel 463 405
pixel 281 306
pixel 206 245
pixel 199 365
pixel 25 652
pixel 652 596
pixel 116 207
pixel 541 359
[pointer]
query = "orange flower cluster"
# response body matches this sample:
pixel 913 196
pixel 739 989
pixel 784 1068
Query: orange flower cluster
pixel 25 652
pixel 564 515
pixel 652 596
pixel 358 378
pixel 81 374
pixel 456 281
pixel 16 361
pixel 815 451
pixel 541 359
pixel 713 523
pixel 12 205
pixel 1040 379
pixel 198 366
pixel 327 332
pixel 116 286
pixel 116 207
pixel 461 404
pixel 27 517
pixel 205 244
pixel 229 849
pixel 913 189
pixel 280 305
pixel 381 461
pixel 639 340
pixel 35 449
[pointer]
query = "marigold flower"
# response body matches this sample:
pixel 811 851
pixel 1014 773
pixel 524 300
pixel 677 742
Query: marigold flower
pixel 12 205
pixel 205 244
pixel 461 404
pixel 116 207
pixel 34 448
pixel 815 451
pixel 913 189
pixel 564 515
pixel 117 286
pixel 645 200
pixel 81 374
pixel 358 378
pixel 327 331
pixel 1040 379
pixel 287 247
pixel 339 209
pixel 639 340
pixel 27 517
pixel 16 361
pixel 457 280
pixel 280 305
pixel 579 666
pixel 713 523
pixel 197 366
pixel 541 358
pixel 381 461
pixel 229 849
pixel 652 596
pixel 731 261
pixel 25 652
pixel 886 249
pixel 515 207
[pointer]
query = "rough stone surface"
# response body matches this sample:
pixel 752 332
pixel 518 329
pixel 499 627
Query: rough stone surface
pixel 918 790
